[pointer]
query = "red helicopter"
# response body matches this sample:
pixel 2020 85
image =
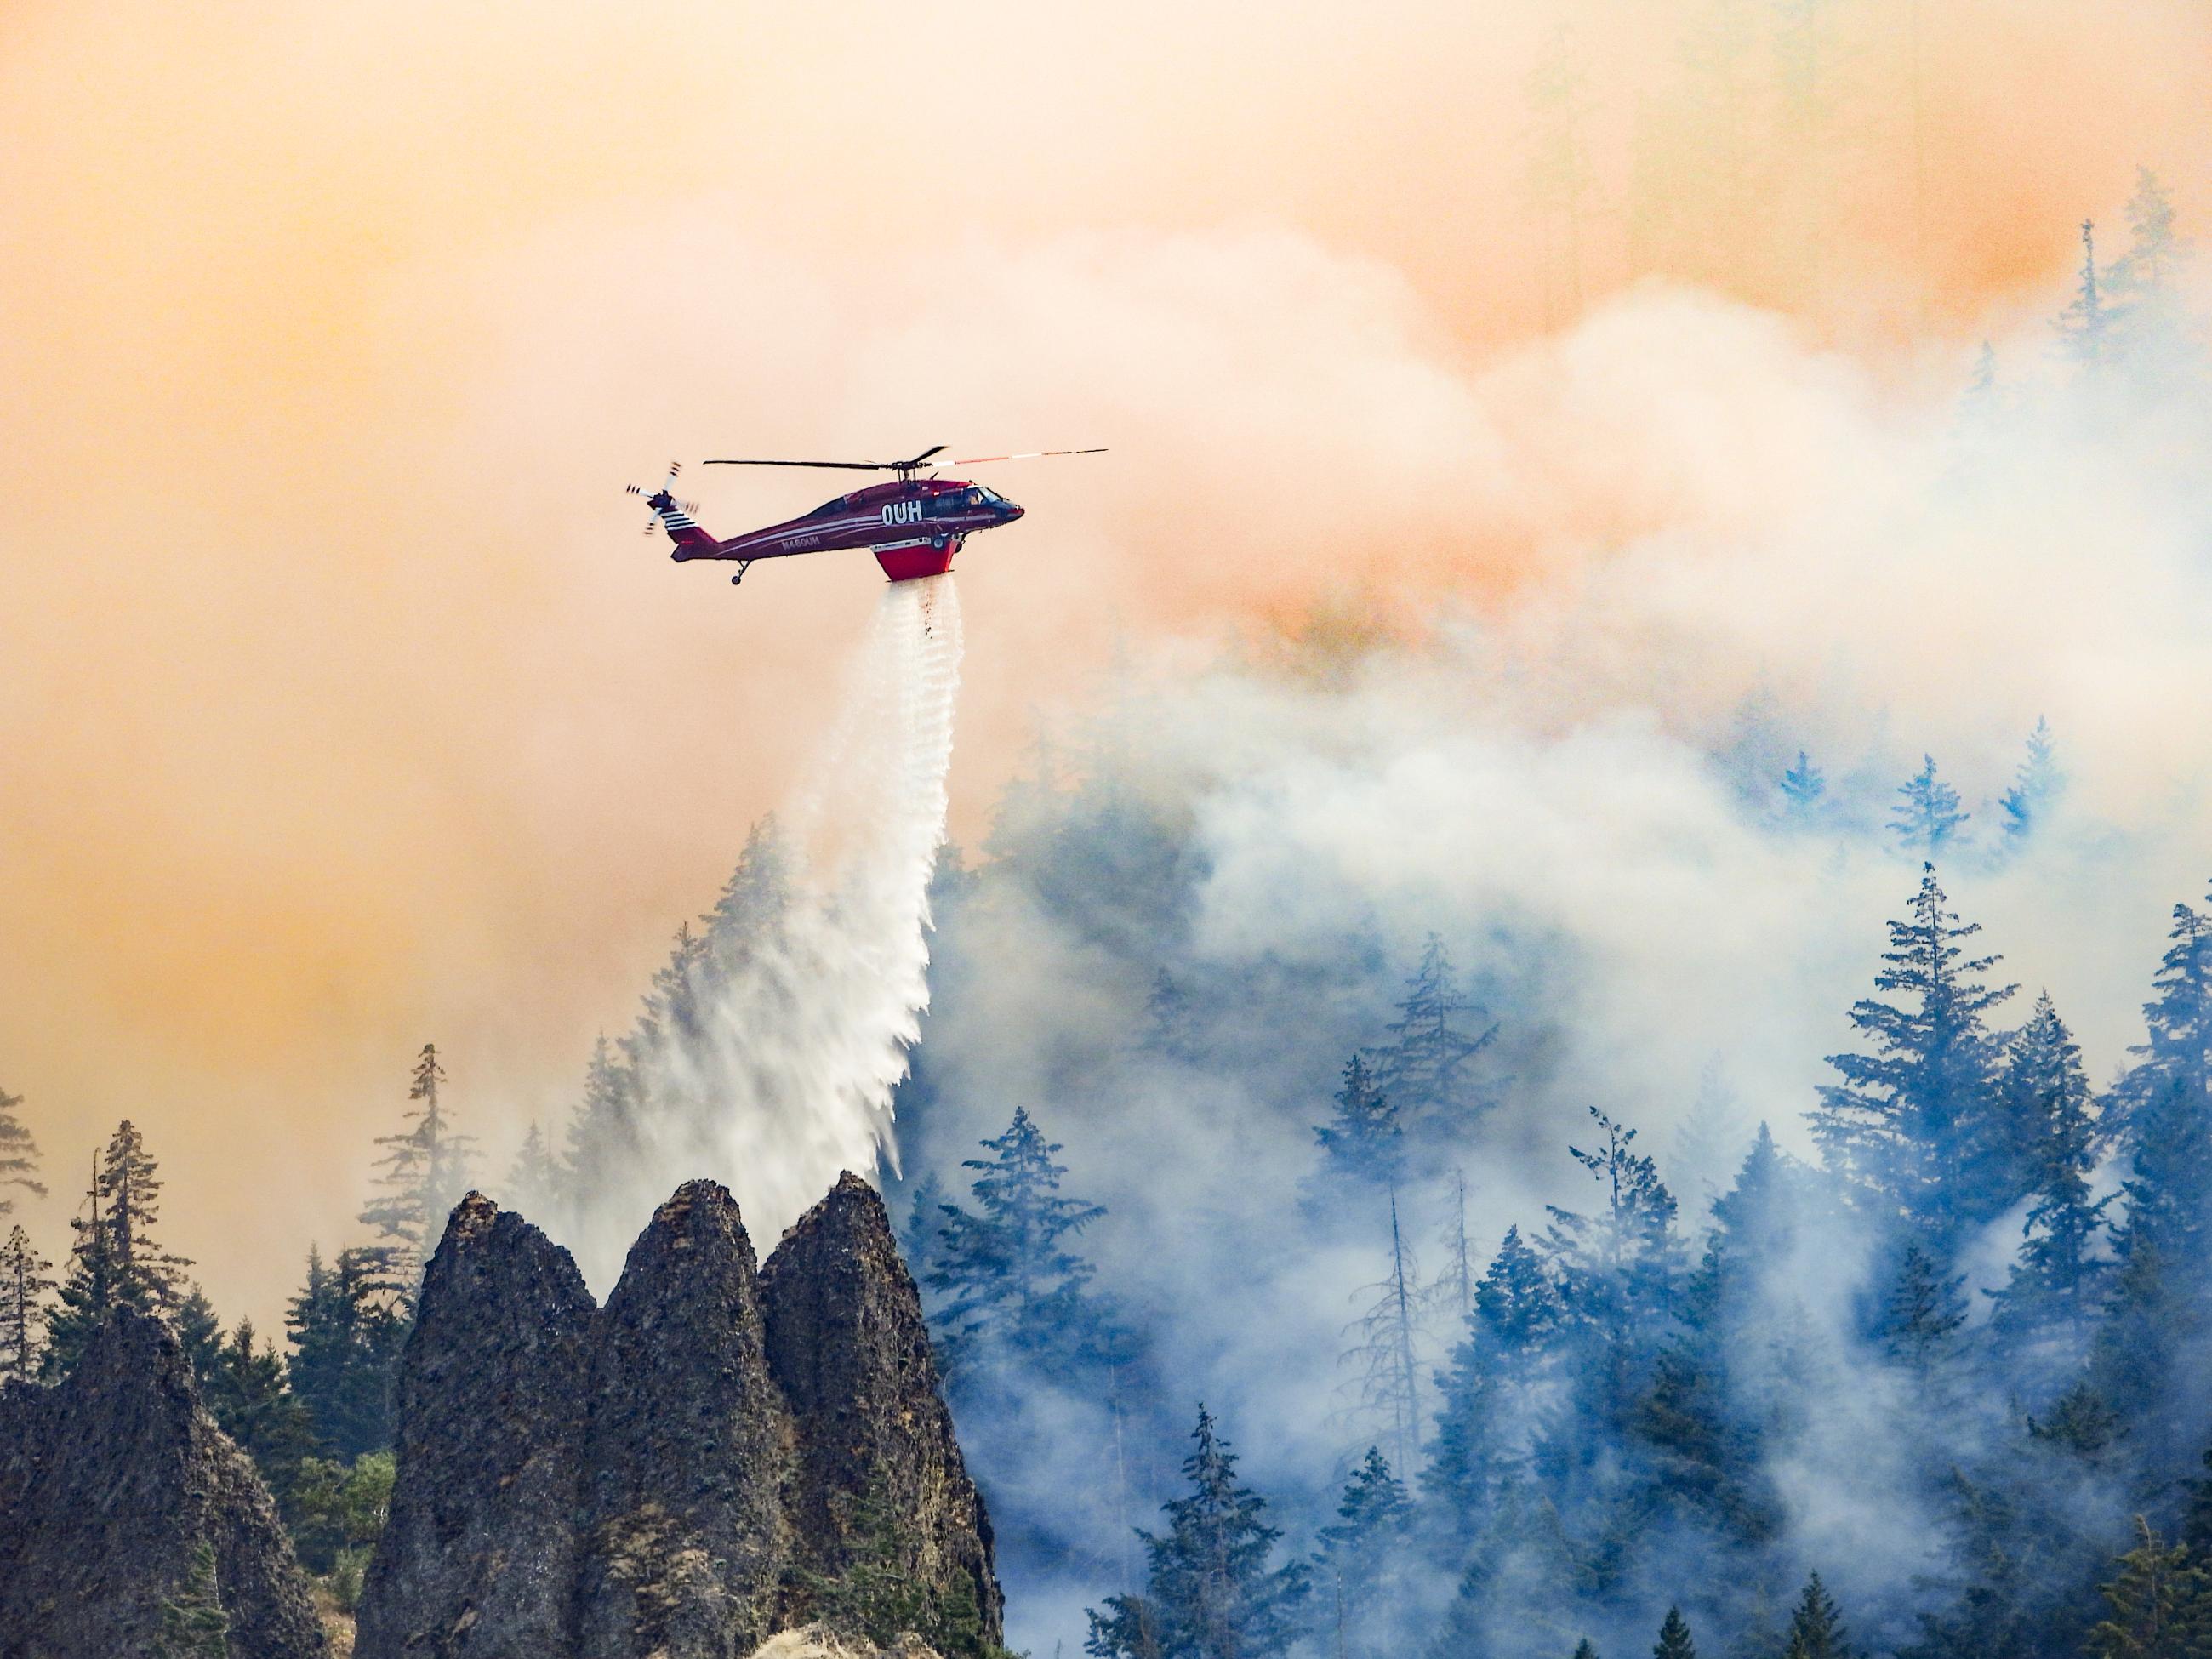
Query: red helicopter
pixel 914 527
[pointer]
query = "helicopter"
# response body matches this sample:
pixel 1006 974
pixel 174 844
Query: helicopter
pixel 913 525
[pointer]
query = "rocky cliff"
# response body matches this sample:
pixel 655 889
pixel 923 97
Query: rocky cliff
pixel 478 1556
pixel 722 1453
pixel 127 1517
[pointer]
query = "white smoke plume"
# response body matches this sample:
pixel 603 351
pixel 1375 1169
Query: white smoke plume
pixel 778 1061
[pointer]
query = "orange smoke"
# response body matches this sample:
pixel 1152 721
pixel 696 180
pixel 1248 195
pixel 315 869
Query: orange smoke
pixel 344 707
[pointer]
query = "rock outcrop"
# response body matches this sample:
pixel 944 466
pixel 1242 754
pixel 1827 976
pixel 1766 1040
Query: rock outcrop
pixel 123 1510
pixel 689 1449
pixel 717 1456
pixel 846 1346
pixel 479 1555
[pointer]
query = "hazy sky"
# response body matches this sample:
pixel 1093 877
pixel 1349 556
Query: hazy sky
pixel 345 708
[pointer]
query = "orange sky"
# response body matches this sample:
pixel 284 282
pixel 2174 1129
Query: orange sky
pixel 343 706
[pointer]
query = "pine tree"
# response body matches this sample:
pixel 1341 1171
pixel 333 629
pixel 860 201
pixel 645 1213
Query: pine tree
pixel 1917 1125
pixel 2057 1281
pixel 2086 324
pixel 1387 1379
pixel 1803 789
pixel 605 1132
pixel 1709 1141
pixel 1451 1292
pixel 2160 1601
pixel 1425 1070
pixel 1923 1311
pixel 1362 1145
pixel 199 1334
pixel 1210 1592
pixel 24 1287
pixel 1616 1271
pixel 19 1154
pixel 116 1260
pixel 247 1396
pixel 422 1173
pixel 919 1240
pixel 533 1179
pixel 346 1334
pixel 91 1288
pixel 193 1623
pixel 2036 787
pixel 1585 1649
pixel 1928 819
pixel 1493 1389
pixel 1359 1567
pixel 1674 1638
pixel 130 1188
pixel 2179 1016
pixel 1005 1269
pixel 2148 318
pixel 752 902
pixel 1816 1628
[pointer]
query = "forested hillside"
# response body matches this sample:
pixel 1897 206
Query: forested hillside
pixel 1390 1176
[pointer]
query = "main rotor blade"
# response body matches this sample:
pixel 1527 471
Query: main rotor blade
pixel 847 466
pixel 919 458
pixel 1026 455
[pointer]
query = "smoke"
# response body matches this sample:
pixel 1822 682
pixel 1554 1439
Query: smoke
pixel 779 1054
pixel 1578 789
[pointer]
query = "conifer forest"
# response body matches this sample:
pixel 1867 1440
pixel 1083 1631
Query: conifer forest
pixel 1659 1100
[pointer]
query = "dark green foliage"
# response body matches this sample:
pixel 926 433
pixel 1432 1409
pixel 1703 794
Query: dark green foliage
pixel 2160 1602
pixel 1359 1570
pixel 336 1511
pixel 1816 1628
pixel 2178 1052
pixel 1210 1592
pixel 1916 1123
pixel 1008 1278
pixel 1361 1146
pixel 19 1154
pixel 2023 1546
pixel 1922 1314
pixel 2058 1280
pixel 1426 1069
pixel 1675 1641
pixel 423 1175
pixel 1617 1270
pixel 24 1287
pixel 1489 1414
pixel 877 1598
pixel 247 1395
pixel 116 1260
pixel 199 1334
pixel 346 1333
pixel 1928 819
pixel 193 1623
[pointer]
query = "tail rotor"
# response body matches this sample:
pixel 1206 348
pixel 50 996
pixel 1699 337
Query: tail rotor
pixel 663 501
